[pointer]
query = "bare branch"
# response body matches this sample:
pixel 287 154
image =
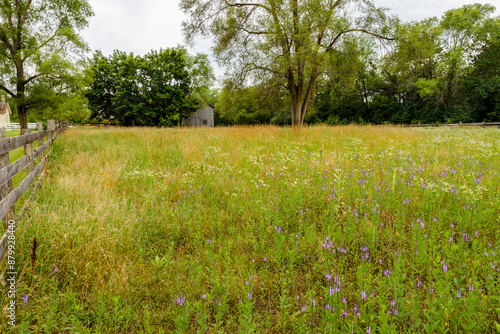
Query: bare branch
pixel 32 78
pixel 7 90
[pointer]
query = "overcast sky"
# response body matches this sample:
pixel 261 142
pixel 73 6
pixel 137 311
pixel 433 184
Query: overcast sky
pixel 141 26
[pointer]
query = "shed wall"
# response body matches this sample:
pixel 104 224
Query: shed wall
pixel 205 113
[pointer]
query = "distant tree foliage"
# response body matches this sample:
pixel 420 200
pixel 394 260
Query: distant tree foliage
pixel 285 45
pixel 436 70
pixel 482 85
pixel 154 90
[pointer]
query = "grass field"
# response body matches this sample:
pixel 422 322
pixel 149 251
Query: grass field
pixel 264 229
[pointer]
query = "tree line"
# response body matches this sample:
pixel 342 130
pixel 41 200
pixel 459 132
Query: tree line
pixel 287 62
pixel 435 70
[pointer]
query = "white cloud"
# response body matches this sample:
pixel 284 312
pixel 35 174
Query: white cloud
pixel 134 26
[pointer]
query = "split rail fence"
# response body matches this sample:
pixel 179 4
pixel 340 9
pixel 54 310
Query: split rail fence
pixel 9 196
pixel 497 124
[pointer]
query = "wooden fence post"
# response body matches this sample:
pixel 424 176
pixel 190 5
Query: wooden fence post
pixel 6 188
pixel 51 125
pixel 29 150
pixel 39 128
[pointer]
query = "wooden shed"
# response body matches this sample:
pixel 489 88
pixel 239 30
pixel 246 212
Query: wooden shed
pixel 202 117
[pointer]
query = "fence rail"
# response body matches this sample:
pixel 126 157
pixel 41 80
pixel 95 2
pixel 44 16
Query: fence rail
pixel 9 196
pixel 452 125
pixel 17 126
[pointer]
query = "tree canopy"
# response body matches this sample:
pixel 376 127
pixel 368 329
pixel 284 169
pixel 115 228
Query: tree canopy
pixel 155 89
pixel 435 70
pixel 284 44
pixel 38 40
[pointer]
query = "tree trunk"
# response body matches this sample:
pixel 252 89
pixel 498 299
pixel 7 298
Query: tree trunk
pixel 21 86
pixel 296 112
pixel 21 114
pixel 295 100
pixel 299 99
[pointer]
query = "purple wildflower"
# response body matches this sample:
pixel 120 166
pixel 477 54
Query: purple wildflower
pixel 249 295
pixel 356 311
pixel 209 241
pixel 363 296
pixel 337 282
pixel 368 330
pixel 180 300
pixel 25 299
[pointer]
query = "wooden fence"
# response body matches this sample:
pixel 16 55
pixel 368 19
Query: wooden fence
pixel 453 125
pixel 9 196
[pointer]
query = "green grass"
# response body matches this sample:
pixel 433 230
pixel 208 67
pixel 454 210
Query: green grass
pixel 252 230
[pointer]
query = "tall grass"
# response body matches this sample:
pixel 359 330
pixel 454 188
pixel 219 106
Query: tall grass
pixel 265 229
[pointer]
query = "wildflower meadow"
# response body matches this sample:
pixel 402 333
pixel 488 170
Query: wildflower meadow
pixel 349 229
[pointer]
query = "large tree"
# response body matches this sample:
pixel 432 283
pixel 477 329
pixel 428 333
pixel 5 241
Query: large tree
pixel 482 85
pixel 155 89
pixel 462 32
pixel 38 39
pixel 285 43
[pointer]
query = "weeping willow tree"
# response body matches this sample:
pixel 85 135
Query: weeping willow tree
pixel 288 44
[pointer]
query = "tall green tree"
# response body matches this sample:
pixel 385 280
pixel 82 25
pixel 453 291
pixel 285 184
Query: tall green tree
pixel 463 31
pixel 482 85
pixel 37 40
pixel 155 89
pixel 284 43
